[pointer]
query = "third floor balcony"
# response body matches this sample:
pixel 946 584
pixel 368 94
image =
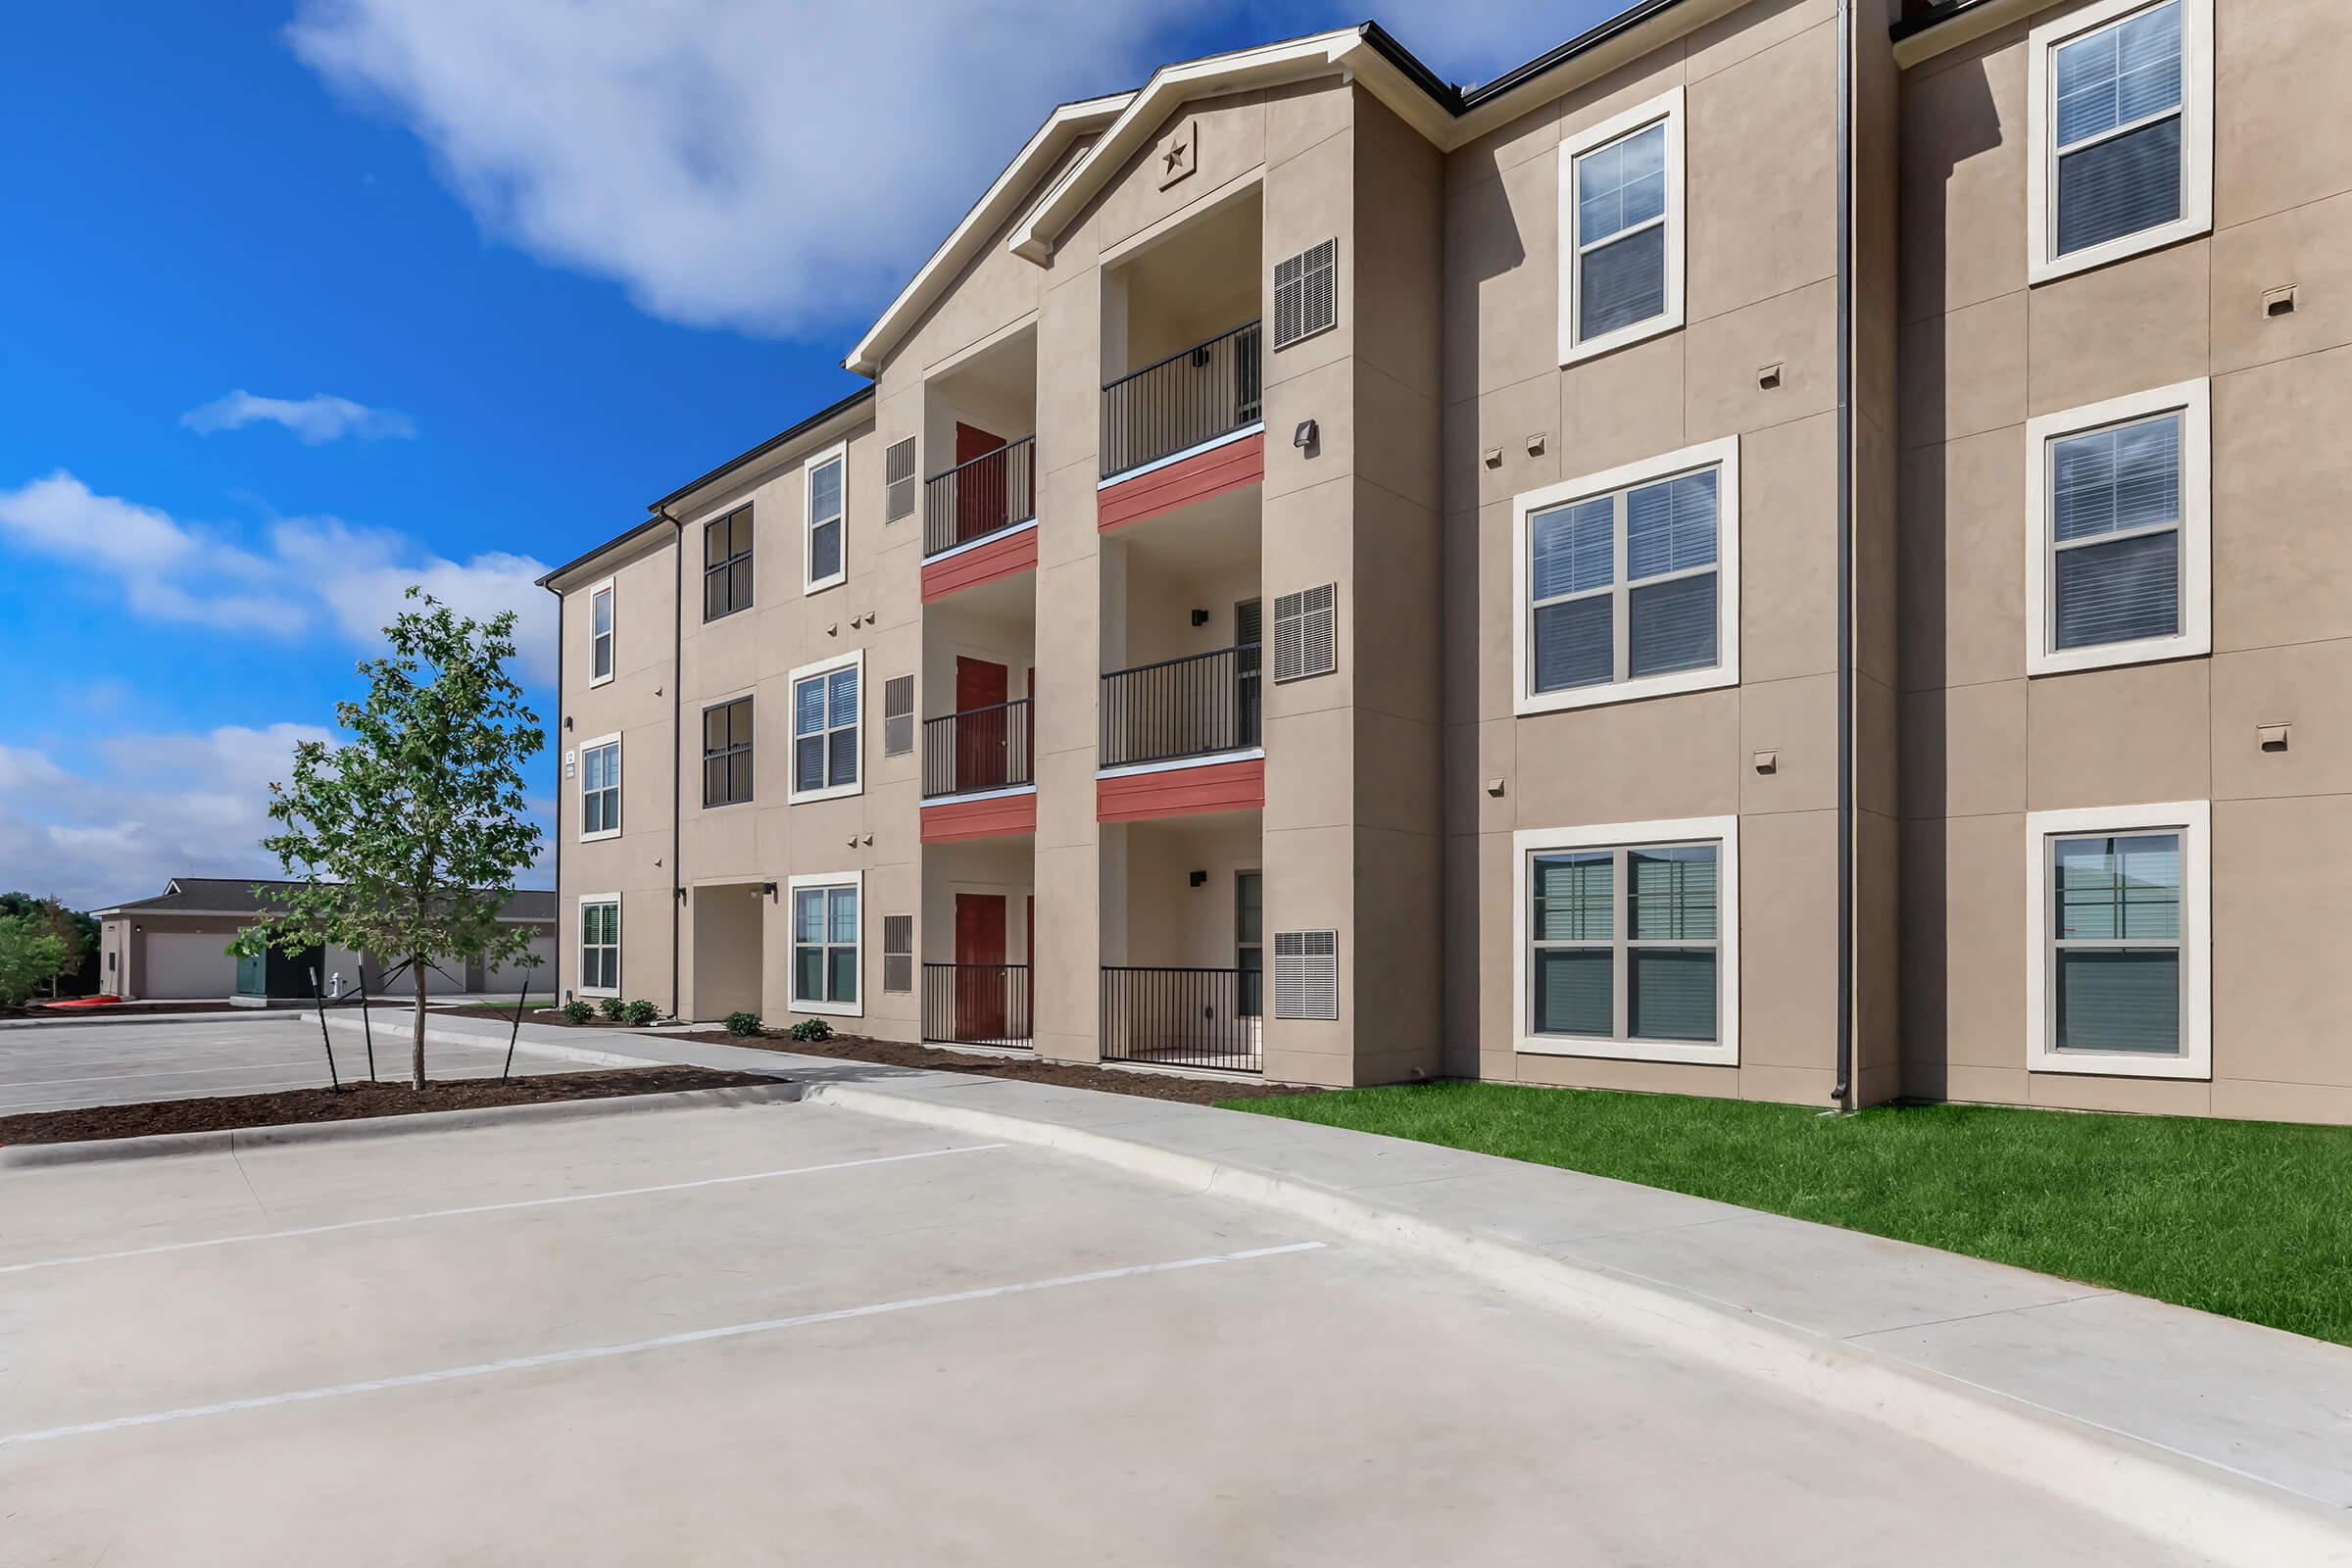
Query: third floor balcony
pixel 1201 706
pixel 1188 401
pixel 980 495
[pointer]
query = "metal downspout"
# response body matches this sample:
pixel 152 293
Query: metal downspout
pixel 1843 1094
pixel 677 746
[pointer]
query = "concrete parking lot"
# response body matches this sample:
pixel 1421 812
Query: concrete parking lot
pixel 54 1066
pixel 793 1333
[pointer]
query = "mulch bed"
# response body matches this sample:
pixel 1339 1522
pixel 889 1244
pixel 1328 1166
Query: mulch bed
pixel 358 1102
pixel 892 1053
pixel 545 1015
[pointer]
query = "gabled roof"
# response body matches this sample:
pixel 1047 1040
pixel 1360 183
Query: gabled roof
pixel 1061 130
pixel 234 896
pixel 1121 123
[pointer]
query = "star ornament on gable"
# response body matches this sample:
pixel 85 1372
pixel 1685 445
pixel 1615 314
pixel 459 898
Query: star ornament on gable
pixel 1179 155
pixel 1175 157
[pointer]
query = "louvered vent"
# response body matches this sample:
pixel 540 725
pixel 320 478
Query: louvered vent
pixel 1306 974
pixel 1305 636
pixel 898 953
pixel 1307 293
pixel 898 715
pixel 898 473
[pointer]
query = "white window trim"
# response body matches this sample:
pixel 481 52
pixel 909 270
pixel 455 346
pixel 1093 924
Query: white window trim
pixel 838 452
pixel 793 795
pixel 2041 121
pixel 1724 454
pixel 1724 830
pixel 605 587
pixel 580 922
pixel 1667 107
pixel 2194 820
pixel 2193 400
pixel 792 972
pixel 580 801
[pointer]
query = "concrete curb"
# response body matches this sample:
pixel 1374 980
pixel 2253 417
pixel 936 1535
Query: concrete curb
pixel 2229 1517
pixel 135 1019
pixel 239 1139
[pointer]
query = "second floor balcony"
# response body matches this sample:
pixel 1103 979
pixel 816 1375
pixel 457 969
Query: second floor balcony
pixel 1203 704
pixel 1191 399
pixel 985 495
pixel 981 749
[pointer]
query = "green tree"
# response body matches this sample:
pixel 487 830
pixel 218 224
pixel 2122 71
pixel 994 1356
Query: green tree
pixel 406 838
pixel 77 931
pixel 30 957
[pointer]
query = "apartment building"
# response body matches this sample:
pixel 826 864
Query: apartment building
pixel 1781 549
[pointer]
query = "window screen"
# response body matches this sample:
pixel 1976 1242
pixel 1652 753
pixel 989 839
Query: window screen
pixel 599 788
pixel 1621 233
pixel 824 946
pixel 2115 979
pixel 825 522
pixel 1625 942
pixel 824 730
pixel 2117 111
pixel 2115 533
pixel 1626 585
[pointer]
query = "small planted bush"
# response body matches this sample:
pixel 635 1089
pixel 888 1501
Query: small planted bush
pixel 742 1025
pixel 638 1013
pixel 812 1029
pixel 610 1008
pixel 577 1012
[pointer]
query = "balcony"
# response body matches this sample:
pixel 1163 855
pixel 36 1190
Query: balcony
pixel 984 496
pixel 1203 704
pixel 982 748
pixel 977 1005
pixel 1190 400
pixel 1167 1017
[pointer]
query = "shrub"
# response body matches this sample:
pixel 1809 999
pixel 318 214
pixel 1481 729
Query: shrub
pixel 611 1008
pixel 812 1029
pixel 578 1011
pixel 742 1024
pixel 640 1013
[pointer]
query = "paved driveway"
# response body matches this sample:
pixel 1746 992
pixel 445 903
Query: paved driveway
pixel 791 1334
pixel 52 1066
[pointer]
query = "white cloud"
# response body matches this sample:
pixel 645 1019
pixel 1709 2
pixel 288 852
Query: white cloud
pixel 144 808
pixel 316 418
pixel 775 166
pixel 315 572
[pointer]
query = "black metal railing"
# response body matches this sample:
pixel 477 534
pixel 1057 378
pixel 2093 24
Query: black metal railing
pixel 1191 707
pixel 1180 1018
pixel 994 490
pixel 1194 395
pixel 976 1004
pixel 981 749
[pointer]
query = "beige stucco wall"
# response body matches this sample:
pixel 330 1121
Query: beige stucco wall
pixel 1984 744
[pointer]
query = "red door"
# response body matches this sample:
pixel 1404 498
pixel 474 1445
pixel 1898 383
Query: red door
pixel 980 489
pixel 979 966
pixel 980 737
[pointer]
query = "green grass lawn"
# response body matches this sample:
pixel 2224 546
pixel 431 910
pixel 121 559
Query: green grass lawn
pixel 2252 1219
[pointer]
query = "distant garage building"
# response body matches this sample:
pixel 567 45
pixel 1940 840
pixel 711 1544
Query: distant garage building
pixel 174 947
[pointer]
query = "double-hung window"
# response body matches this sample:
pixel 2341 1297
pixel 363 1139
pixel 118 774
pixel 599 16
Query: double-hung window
pixel 2118 541
pixel 727 753
pixel 600 944
pixel 599 634
pixel 599 788
pixel 727 563
pixel 1629 581
pixel 826 728
pixel 824 559
pixel 1621 229
pixel 2122 123
pixel 2118 957
pixel 1628 941
pixel 824 942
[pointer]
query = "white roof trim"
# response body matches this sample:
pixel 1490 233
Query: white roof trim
pixel 1063 126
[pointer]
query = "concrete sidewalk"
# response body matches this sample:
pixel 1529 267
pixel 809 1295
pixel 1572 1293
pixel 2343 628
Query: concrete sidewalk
pixel 2229 1437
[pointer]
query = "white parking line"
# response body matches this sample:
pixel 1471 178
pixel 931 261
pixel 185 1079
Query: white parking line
pixel 599 1352
pixel 488 1208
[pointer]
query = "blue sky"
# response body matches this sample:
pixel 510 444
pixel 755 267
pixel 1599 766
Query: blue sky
pixel 309 299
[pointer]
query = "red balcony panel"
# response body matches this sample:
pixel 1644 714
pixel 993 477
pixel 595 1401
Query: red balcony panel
pixel 1239 462
pixel 994 818
pixel 982 563
pixel 1182 790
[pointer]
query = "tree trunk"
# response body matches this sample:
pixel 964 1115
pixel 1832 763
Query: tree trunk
pixel 416 1059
